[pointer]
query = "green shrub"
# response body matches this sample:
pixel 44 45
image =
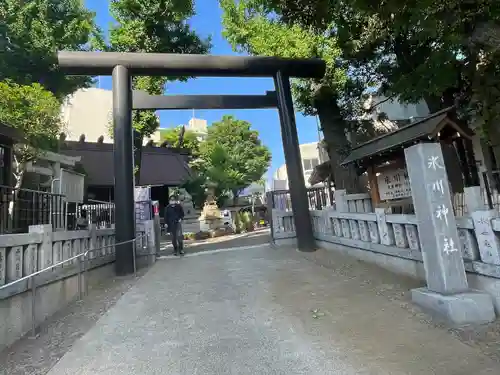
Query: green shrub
pixel 189 236
pixel 248 222
pixel 237 223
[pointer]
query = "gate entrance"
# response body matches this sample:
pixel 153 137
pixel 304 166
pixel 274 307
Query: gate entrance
pixel 122 66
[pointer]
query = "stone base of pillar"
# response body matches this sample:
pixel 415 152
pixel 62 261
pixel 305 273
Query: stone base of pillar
pixel 472 307
pixel 145 260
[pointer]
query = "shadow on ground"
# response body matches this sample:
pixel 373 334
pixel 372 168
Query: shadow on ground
pixel 260 237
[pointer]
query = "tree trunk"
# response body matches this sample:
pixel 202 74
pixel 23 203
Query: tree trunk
pixel 338 146
pixel 433 104
pixel 235 197
pixel 20 169
pixel 138 139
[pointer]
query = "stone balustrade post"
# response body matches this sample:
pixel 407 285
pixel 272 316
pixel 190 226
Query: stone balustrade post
pixel 473 199
pixel 93 240
pixel 341 201
pixel 385 230
pixel 44 256
pixel 487 240
pixel 447 291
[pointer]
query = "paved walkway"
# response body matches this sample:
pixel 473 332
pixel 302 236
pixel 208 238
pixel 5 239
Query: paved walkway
pixel 269 311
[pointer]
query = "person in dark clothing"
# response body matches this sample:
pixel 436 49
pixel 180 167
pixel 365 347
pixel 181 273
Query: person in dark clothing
pixel 174 214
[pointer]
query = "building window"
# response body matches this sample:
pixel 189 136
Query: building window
pixel 310 164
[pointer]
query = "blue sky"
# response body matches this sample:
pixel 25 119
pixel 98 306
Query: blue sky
pixel 208 22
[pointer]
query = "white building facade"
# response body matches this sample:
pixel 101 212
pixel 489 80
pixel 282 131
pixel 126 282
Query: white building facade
pixel 89 113
pixel 311 155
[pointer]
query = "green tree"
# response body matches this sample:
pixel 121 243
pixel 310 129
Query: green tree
pixel 248 25
pixel 31 32
pixel 190 140
pixel 35 112
pixel 195 186
pixel 152 26
pixel 235 155
pixel 212 166
pixel 445 53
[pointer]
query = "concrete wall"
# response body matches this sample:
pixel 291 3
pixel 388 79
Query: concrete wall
pixel 89 112
pixel 16 313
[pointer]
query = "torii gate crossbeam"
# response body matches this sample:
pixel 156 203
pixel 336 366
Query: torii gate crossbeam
pixel 143 101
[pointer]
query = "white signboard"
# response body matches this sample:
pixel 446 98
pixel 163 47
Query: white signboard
pixel 394 184
pixel 71 185
pixel 142 194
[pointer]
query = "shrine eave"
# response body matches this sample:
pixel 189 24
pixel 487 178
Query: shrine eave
pixel 427 129
pixel 10 135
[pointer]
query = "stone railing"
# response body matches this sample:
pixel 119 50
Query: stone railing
pixel 26 301
pixel 283 225
pixel 355 202
pixel 24 254
pixel 397 235
pixel 379 232
pixel 432 244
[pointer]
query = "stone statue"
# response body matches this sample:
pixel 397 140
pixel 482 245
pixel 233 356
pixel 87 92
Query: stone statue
pixel 211 218
pixel 210 209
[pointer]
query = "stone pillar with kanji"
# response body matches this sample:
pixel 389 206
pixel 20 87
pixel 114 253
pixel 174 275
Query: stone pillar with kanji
pixel 447 292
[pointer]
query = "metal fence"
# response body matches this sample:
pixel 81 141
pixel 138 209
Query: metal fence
pixel 318 198
pixel 100 213
pixel 20 208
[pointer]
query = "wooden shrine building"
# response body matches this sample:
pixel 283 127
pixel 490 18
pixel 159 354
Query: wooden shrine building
pixel 383 159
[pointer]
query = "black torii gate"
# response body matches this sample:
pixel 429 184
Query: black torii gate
pixel 122 66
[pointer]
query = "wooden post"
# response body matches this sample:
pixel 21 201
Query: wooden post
pixel 374 192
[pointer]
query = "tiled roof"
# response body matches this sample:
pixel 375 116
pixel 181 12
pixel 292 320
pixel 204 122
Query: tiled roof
pixel 427 127
pixel 10 133
pixel 159 166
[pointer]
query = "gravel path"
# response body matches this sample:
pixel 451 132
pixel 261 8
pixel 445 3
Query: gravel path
pixel 270 311
pixel 59 333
